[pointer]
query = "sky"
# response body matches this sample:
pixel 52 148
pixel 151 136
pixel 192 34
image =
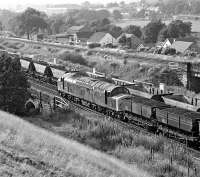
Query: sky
pixel 12 3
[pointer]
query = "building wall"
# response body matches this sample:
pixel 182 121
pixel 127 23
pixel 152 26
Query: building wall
pixel 167 44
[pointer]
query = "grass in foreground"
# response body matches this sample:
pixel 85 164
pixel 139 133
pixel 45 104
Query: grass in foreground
pixel 150 153
pixel 26 150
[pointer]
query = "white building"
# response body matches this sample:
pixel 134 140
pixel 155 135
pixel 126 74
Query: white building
pixel 102 38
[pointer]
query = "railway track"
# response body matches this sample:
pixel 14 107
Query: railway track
pixel 131 126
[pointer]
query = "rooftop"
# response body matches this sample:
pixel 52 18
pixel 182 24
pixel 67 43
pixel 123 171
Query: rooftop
pixel 181 46
pixel 96 37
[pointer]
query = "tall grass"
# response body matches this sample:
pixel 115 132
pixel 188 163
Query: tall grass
pixel 153 153
pixel 63 154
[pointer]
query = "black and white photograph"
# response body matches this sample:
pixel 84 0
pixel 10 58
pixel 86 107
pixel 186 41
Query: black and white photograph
pixel 93 88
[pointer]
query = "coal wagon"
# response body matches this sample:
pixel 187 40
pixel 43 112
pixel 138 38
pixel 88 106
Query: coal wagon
pixel 180 120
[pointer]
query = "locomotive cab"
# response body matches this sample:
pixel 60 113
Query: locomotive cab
pixel 114 98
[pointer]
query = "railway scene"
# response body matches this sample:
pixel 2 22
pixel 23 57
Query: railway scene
pixel 100 89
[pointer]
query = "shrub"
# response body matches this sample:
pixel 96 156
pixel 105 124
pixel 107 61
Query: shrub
pixel 31 67
pixel 93 45
pixel 74 58
pixel 89 53
pixel 37 47
pixel 77 50
pixel 168 77
pixel 48 72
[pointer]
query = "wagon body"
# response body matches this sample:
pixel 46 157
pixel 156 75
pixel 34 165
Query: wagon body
pixel 146 107
pixel 178 118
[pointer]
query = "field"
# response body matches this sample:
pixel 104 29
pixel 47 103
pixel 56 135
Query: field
pixel 142 23
pixel 26 150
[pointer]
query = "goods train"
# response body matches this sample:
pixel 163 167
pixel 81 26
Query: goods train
pixel 108 98
pixel 105 96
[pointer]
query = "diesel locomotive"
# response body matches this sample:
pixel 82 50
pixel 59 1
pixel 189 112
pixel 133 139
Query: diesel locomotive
pixel 104 96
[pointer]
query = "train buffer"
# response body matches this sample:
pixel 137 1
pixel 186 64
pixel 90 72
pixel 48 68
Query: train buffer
pixel 60 103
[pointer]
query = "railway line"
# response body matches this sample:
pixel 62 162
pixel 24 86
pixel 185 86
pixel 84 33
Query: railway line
pixel 133 127
pixel 68 104
pixel 134 124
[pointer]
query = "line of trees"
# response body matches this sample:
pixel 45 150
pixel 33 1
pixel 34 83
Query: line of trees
pixel 32 21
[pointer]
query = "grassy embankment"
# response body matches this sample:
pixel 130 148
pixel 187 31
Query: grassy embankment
pixel 150 153
pixel 26 150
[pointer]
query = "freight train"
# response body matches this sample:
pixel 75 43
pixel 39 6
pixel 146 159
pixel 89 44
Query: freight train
pixel 104 96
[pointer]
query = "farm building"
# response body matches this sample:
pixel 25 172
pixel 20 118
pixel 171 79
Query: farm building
pixel 183 47
pixel 102 38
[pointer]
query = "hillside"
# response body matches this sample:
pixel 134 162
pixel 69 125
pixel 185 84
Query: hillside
pixel 26 150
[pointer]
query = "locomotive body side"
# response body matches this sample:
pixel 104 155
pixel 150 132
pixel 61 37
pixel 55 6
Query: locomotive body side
pixel 91 90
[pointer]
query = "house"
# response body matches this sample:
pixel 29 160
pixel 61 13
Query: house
pixel 182 46
pixel 131 40
pixel 140 47
pixel 74 29
pixel 102 38
pixel 80 37
pixel 165 44
pixel 78 34
pixel 62 38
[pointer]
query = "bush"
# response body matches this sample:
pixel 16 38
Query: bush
pixel 169 51
pixel 31 67
pixel 74 58
pixel 37 47
pixel 77 50
pixel 93 45
pixel 48 72
pixel 168 77
pixel 89 53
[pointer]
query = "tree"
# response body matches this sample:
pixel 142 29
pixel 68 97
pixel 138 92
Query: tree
pixel 112 4
pixel 163 34
pixel 57 24
pixel 115 31
pixel 117 15
pixel 31 68
pixel 105 21
pixel 1 26
pixel 48 72
pixel 132 29
pixel 175 29
pixel 30 21
pixel 122 40
pixel 152 30
pixel 13 85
